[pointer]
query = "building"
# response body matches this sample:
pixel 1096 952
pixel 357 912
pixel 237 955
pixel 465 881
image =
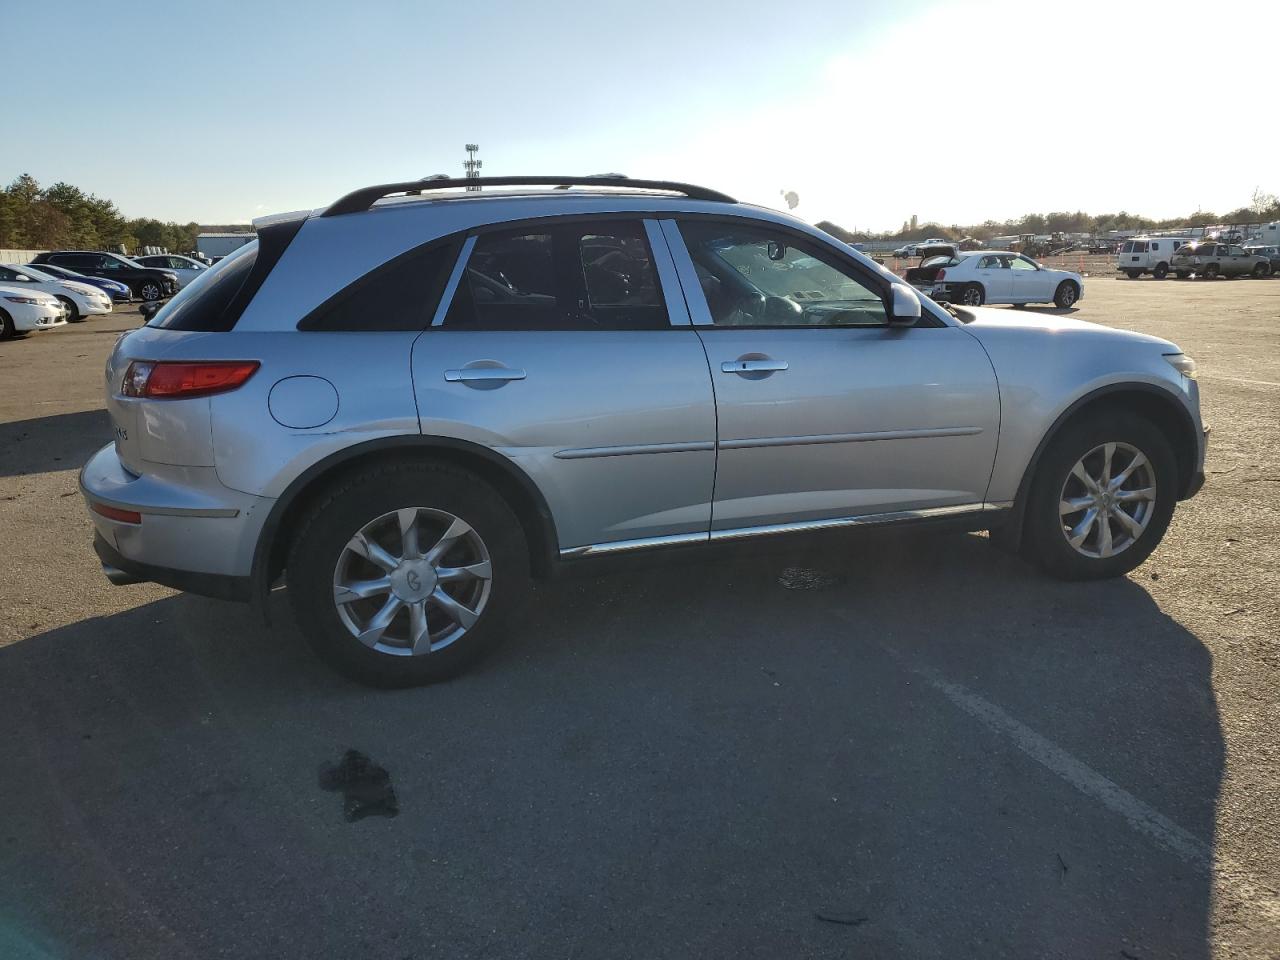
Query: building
pixel 220 244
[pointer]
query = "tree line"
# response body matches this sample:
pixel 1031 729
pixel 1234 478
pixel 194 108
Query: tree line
pixel 1263 208
pixel 64 216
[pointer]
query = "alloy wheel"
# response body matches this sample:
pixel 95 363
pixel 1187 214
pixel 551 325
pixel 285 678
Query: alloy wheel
pixel 972 297
pixel 412 581
pixel 1108 500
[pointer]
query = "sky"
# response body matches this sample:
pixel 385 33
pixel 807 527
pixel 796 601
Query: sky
pixel 871 112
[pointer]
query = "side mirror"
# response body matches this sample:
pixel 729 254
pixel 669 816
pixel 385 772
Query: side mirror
pixel 906 306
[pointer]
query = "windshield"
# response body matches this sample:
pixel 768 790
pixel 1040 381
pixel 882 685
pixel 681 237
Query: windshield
pixel 35 274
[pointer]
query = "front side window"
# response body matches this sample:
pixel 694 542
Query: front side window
pixel 594 275
pixel 1022 263
pixel 757 277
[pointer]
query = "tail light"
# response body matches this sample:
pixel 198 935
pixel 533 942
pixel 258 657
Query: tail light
pixel 181 380
pixel 115 513
pixel 942 274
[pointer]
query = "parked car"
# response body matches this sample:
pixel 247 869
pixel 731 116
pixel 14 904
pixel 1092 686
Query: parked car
pixel 118 292
pixel 913 249
pixel 977 277
pixel 1210 260
pixel 1270 254
pixel 406 406
pixel 146 283
pixel 23 310
pixel 1153 255
pixel 185 268
pixel 81 300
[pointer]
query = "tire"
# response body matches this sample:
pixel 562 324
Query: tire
pixel 1183 274
pixel 1161 271
pixel 73 312
pixel 1134 274
pixel 1066 295
pixel 1085 441
pixel 973 295
pixel 149 290
pixel 1262 270
pixel 372 501
pixel 7 330
pixel 1211 271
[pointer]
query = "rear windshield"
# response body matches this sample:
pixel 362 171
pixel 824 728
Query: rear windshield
pixel 200 304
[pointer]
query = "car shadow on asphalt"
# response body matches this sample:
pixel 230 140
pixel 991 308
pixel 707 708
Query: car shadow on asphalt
pixel 57 442
pixel 805 751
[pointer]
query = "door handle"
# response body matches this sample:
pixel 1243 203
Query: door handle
pixel 762 365
pixel 487 377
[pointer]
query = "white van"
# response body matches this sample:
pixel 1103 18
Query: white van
pixel 1147 255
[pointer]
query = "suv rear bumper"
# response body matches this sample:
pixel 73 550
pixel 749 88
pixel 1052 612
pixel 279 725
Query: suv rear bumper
pixel 216 585
pixel 191 532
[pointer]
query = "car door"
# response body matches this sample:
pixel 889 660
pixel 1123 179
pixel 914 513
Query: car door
pixel 825 412
pixel 1028 282
pixel 565 347
pixel 1237 263
pixel 992 271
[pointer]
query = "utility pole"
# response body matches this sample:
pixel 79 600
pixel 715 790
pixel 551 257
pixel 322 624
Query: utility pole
pixel 472 166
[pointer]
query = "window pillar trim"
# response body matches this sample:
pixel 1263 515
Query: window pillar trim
pixel 455 277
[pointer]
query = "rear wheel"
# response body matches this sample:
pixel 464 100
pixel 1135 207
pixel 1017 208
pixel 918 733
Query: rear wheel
pixel 973 295
pixel 1262 270
pixel 73 312
pixel 1134 274
pixel 1161 271
pixel 403 574
pixel 1102 498
pixel 1066 294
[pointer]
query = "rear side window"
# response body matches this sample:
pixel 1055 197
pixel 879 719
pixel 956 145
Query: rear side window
pixel 201 303
pixel 402 294
pixel 1139 246
pixel 588 276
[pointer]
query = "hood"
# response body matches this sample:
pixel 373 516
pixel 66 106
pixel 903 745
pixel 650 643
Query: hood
pixel 84 289
pixel 23 290
pixel 987 321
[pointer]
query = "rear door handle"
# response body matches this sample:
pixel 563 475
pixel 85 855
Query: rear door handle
pixel 753 366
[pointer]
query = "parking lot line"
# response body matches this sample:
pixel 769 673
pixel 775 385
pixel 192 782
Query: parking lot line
pixel 1262 901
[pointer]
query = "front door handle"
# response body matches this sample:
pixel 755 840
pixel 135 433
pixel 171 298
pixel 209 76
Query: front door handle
pixel 484 375
pixel 753 365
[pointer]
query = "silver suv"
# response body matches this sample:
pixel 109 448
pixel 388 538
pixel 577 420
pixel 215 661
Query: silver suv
pixel 405 406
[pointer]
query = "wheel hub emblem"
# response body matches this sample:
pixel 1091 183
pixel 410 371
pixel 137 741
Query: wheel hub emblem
pixel 413 580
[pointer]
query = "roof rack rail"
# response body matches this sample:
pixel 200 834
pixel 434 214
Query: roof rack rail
pixel 365 197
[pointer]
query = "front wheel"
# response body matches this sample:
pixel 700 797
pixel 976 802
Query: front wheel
pixel 1066 295
pixel 149 291
pixel 973 295
pixel 1134 274
pixel 1161 271
pixel 1262 270
pixel 7 328
pixel 405 573
pixel 73 312
pixel 1102 498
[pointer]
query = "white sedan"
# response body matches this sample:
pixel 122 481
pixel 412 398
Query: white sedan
pixel 975 277
pixel 23 310
pixel 80 299
pixel 186 268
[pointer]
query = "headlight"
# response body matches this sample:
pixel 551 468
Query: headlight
pixel 1183 364
pixel 33 300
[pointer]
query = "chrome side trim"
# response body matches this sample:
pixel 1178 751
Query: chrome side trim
pixel 584 453
pixel 850 437
pixel 622 546
pixel 868 519
pixel 451 287
pixel 741 533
